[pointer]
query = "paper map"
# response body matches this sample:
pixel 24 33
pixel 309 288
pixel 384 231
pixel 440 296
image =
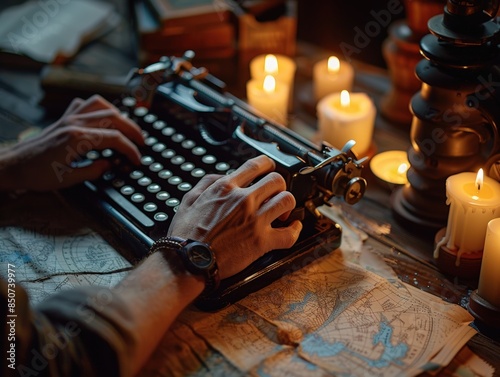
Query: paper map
pixel 333 316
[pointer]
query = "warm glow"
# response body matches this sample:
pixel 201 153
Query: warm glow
pixel 333 64
pixel 271 64
pixel 479 179
pixel 269 84
pixel 402 168
pixel 345 99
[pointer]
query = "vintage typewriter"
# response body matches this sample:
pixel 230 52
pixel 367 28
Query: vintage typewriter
pixel 192 127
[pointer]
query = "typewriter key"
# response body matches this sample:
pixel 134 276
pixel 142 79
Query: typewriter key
pixel 159 124
pixel 161 216
pixel 144 181
pixel 159 147
pixel 150 118
pixel 150 207
pixel 165 174
pixel 140 111
pixel 136 174
pixel 162 195
pixel 188 144
pixel 209 159
pixel 168 131
pixel 155 167
pixel 147 160
pixel 127 190
pixel 168 153
pixel 137 198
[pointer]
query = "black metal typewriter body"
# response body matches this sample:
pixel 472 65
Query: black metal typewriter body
pixel 192 127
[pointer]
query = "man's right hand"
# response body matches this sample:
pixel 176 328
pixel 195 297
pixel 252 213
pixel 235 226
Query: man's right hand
pixel 234 216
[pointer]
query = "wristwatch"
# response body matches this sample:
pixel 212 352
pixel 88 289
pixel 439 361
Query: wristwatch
pixel 197 257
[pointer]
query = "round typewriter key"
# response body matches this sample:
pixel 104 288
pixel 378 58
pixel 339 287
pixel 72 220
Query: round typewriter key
pixel 230 171
pixel 154 188
pixel 176 208
pixel 92 155
pixel 150 118
pixel 178 138
pixel 158 147
pixel 147 160
pixel 144 181
pixel 118 183
pixel 172 202
pixel 209 159
pixel 168 153
pixel 150 140
pixel 177 160
pixel 168 131
pixel 165 174
pixel 136 174
pixel 150 207
pixel 124 114
pixel 140 111
pixel 107 153
pixel 156 167
pixel 188 144
pixel 161 216
pixel 137 197
pixel 159 124
pixel 108 176
pixel 199 151
pixel 175 180
pixel 185 186
pixel 127 190
pixel 222 166
pixel 198 173
pixel 129 101
pixel 162 195
pixel 144 133
pixel 187 166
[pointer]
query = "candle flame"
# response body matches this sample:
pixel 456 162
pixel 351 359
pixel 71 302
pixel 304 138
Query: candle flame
pixel 269 84
pixel 345 99
pixel 403 168
pixel 271 64
pixel 479 179
pixel 333 64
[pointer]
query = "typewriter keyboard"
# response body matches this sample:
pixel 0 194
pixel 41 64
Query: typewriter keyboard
pixel 175 157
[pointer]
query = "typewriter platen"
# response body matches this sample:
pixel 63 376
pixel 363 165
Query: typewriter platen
pixel 192 127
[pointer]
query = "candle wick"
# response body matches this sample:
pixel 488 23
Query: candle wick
pixel 479 186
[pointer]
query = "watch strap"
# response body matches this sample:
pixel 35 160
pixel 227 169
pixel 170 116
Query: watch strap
pixel 212 278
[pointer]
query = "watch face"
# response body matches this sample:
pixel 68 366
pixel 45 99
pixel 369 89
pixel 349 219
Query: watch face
pixel 200 256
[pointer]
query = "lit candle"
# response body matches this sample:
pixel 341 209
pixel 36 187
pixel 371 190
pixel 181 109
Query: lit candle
pixel 474 200
pixel 331 76
pixel 270 97
pixel 281 67
pixel 390 167
pixel 343 117
pixel 489 278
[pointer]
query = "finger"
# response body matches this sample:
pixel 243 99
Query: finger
pixel 109 118
pixel 93 103
pixel 86 139
pixel 277 206
pixel 268 186
pixel 75 103
pixel 285 237
pixel 91 172
pixel 251 170
pixel 72 106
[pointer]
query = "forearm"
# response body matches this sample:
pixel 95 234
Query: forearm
pixel 156 292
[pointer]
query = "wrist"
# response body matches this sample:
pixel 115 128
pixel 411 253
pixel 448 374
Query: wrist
pixel 193 257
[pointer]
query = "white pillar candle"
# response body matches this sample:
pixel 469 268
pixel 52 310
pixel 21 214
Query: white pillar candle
pixel 489 278
pixel 281 67
pixel 331 76
pixel 343 117
pixel 270 97
pixel 474 200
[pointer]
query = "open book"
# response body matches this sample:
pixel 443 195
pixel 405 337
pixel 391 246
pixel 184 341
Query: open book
pixel 52 32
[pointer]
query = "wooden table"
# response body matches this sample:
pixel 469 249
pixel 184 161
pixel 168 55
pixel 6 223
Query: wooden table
pixel 410 254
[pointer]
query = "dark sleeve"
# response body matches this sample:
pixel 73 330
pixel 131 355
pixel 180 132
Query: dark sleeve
pixel 80 332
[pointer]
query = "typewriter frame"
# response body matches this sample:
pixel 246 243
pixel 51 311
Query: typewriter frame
pixel 185 92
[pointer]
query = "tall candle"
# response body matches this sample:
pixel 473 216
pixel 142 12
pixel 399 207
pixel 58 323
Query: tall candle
pixel 331 76
pixel 281 67
pixel 343 117
pixel 270 97
pixel 489 278
pixel 474 200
